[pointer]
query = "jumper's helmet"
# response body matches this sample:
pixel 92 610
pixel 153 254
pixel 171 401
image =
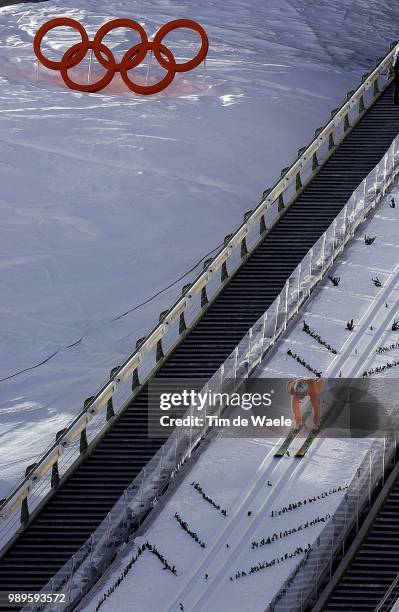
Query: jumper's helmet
pixel 300 387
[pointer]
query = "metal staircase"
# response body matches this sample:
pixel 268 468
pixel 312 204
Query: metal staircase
pixel 367 577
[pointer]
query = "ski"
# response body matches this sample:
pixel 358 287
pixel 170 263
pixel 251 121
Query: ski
pixel 291 437
pixel 280 452
pixel 301 452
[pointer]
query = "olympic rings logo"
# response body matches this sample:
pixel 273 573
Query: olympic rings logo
pixel 131 59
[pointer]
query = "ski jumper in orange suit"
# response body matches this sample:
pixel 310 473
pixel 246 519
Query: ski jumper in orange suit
pixel 313 391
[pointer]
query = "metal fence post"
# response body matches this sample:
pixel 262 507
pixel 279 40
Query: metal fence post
pixel 89 67
pixel 346 498
pixel 383 460
pixel 332 545
pixel 91 547
pixel 323 254
pixel 345 225
pixel 310 269
pixel 249 349
pixel 71 578
pixel 385 187
pixel 263 334
pixel 55 476
pixel 364 195
pixel 141 487
pixel 25 515
pixel 235 361
pixel 287 286
pixel 110 404
pixel 370 468
pixel 298 301
pixel 357 500
pixel 375 191
pixel 148 69
pixel 206 409
pixel 334 238
pixel 175 456
pixel 276 321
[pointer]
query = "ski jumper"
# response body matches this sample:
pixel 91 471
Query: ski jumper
pixel 312 388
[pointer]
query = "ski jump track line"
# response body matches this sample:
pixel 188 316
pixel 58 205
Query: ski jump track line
pixel 356 363
pixel 249 499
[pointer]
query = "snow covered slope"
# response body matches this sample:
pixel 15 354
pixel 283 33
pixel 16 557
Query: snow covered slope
pixel 108 198
pixel 243 476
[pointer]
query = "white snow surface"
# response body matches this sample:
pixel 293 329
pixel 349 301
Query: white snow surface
pixel 235 472
pixel 107 198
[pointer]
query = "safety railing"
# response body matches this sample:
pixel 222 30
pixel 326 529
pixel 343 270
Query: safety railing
pixel 73 442
pixel 302 585
pixel 392 593
pixel 395 607
pixel 89 562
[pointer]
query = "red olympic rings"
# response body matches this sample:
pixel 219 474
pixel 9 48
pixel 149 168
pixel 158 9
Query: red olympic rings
pixel 144 89
pixel 131 59
pixel 68 61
